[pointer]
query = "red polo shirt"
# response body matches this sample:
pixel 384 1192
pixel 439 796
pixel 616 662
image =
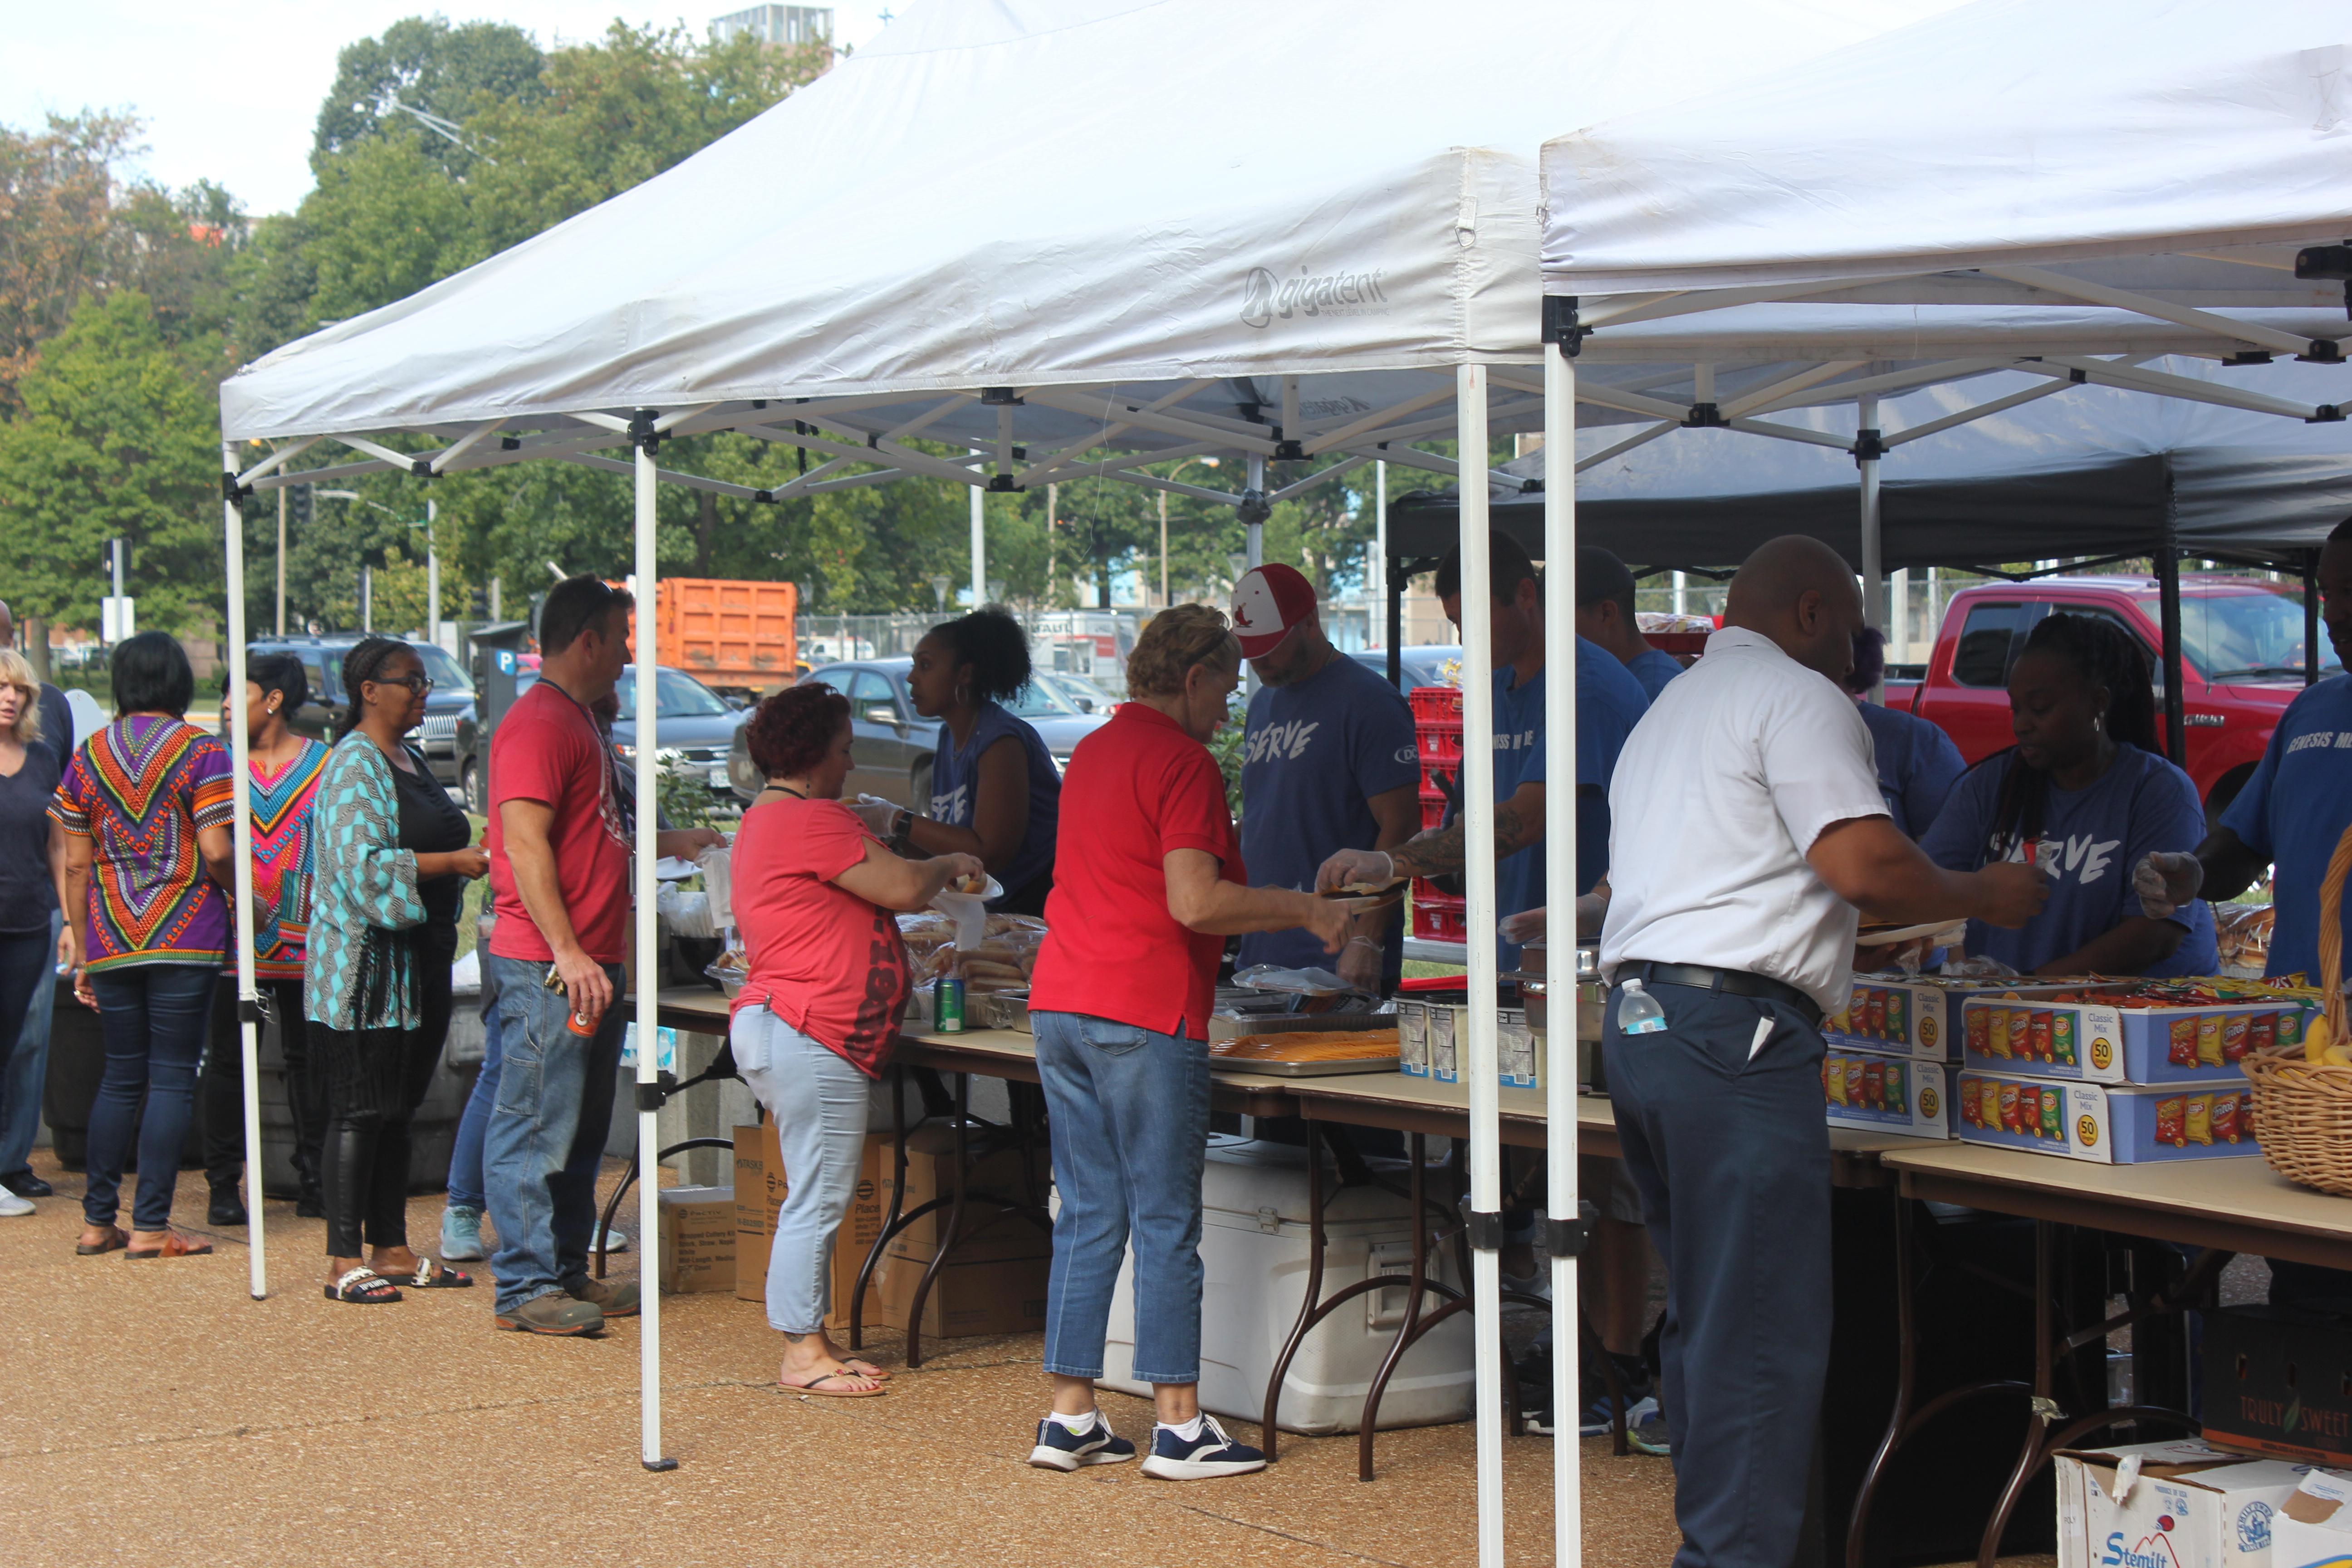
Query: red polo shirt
pixel 1136 789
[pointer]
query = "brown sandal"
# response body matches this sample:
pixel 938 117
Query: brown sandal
pixel 815 1389
pixel 174 1246
pixel 117 1240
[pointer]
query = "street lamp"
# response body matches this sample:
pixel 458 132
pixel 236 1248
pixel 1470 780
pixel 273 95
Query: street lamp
pixel 1204 462
pixel 939 590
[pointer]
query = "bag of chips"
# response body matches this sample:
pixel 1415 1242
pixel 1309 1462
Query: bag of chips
pixel 2054 1113
pixel 2237 1037
pixel 1898 1026
pixel 2062 1039
pixel 2170 1127
pixel 2039 1028
pixel 2010 1109
pixel 2197 1120
pixel 1988 1104
pixel 1978 1022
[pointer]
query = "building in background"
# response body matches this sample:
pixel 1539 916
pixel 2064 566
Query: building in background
pixel 779 26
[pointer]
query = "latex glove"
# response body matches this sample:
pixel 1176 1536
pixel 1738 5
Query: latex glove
pixel 2165 881
pixel 1359 964
pixel 877 815
pixel 1352 866
pixel 1527 926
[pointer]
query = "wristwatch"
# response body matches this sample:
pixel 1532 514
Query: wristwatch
pixel 899 825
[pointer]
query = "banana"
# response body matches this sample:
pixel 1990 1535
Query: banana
pixel 2317 1039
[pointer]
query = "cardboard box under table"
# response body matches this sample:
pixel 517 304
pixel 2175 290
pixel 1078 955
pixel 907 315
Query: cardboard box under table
pixel 698 1239
pixel 2278 1381
pixel 2182 1504
pixel 760 1189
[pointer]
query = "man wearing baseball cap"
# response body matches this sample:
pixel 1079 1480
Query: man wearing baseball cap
pixel 1328 762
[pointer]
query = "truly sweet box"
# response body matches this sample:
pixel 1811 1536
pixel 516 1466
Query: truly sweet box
pixel 2113 1124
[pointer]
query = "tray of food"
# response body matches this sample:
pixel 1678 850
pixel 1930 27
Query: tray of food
pixel 1307 1054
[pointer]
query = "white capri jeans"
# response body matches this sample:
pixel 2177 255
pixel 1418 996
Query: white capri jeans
pixel 818 1102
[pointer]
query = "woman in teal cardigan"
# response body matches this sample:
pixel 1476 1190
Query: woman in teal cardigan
pixel 385 834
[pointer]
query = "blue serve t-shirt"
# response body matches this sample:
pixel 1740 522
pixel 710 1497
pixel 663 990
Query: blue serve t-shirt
pixel 2293 810
pixel 1609 703
pixel 1918 765
pixel 2140 805
pixel 1652 669
pixel 1313 755
pixel 955 787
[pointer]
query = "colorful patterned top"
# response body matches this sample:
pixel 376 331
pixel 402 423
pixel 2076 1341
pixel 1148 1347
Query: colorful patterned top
pixel 141 789
pixel 359 972
pixel 284 860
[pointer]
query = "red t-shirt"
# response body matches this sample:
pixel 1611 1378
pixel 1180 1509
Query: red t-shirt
pixel 1136 789
pixel 822 959
pixel 547 749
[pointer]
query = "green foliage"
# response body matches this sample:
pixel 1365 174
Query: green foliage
pixel 426 63
pixel 115 437
pixel 682 795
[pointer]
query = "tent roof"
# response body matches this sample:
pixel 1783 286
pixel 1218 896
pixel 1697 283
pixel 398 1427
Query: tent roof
pixel 992 195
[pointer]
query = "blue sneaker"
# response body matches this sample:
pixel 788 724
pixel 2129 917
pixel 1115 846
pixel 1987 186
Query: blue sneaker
pixel 461 1234
pixel 1213 1453
pixel 1059 1449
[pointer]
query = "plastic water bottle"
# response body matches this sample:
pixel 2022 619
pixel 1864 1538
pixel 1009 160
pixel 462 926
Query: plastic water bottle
pixel 1638 1012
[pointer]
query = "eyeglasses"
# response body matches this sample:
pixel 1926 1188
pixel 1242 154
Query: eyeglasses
pixel 419 683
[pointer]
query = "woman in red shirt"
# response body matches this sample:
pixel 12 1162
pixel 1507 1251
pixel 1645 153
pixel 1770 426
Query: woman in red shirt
pixel 1148 883
pixel 814 896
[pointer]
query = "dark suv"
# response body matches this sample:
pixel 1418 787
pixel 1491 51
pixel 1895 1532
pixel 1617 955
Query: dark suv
pixel 322 662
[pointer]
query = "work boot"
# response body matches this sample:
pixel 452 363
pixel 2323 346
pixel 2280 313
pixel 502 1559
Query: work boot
pixel 227 1207
pixel 614 1298
pixel 554 1315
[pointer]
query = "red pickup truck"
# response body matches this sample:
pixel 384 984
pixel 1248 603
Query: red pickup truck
pixel 2241 653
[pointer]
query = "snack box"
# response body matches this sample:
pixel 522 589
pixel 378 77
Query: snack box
pixel 2049 1033
pixel 1433 1041
pixel 1899 1018
pixel 1886 1094
pixel 2113 1124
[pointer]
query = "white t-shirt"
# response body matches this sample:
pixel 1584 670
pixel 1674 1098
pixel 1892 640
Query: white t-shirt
pixel 1725 782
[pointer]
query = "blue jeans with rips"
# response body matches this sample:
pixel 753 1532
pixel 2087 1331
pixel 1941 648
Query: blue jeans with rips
pixel 28 1071
pixel 548 1123
pixel 1129 1111
pixel 154 1018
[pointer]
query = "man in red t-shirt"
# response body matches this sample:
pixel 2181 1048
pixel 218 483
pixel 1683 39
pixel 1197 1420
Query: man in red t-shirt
pixel 559 873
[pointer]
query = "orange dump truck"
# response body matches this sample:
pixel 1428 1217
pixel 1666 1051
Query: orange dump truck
pixel 730 635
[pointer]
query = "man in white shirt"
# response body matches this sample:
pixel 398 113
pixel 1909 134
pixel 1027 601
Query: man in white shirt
pixel 1747 828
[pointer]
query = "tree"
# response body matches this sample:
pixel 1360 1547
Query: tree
pixel 115 437
pixel 427 64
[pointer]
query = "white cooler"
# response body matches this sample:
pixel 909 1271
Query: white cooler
pixel 1254 1252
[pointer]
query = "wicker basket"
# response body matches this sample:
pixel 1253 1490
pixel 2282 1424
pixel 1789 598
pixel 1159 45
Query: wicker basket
pixel 2303 1111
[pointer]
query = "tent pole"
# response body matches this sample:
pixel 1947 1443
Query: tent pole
pixel 978 546
pixel 2311 617
pixel 248 1008
pixel 1873 574
pixel 649 965
pixel 1559 879
pixel 1254 533
pixel 1380 535
pixel 1483 1068
pixel 2168 578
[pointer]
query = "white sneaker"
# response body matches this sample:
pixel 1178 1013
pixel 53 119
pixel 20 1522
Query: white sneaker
pixel 614 1242
pixel 11 1206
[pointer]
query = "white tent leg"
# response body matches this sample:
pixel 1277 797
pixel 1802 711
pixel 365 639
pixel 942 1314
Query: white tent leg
pixel 1483 1068
pixel 978 546
pixel 1873 575
pixel 241 831
pixel 1254 533
pixel 1559 881
pixel 1380 573
pixel 648 971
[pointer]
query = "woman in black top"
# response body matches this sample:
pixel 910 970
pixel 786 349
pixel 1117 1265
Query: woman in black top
pixel 28 897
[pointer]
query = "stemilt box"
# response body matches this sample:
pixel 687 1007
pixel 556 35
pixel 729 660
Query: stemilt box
pixel 2170 1505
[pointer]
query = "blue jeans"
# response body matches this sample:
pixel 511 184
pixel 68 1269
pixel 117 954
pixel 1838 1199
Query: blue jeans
pixel 1130 1113
pixel 28 1071
pixel 1719 1115
pixel 548 1123
pixel 154 1018
pixel 818 1102
pixel 466 1183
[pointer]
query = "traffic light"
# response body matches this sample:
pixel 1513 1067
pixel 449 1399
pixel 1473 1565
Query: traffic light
pixel 299 502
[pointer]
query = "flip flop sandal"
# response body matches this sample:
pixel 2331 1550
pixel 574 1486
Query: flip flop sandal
pixel 117 1240
pixel 174 1246
pixel 815 1389
pixel 432 1276
pixel 361 1288
pixel 861 1367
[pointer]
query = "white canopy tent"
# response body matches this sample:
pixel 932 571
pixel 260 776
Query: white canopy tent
pixel 1299 232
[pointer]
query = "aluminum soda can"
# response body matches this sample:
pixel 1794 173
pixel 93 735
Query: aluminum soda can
pixel 949 1006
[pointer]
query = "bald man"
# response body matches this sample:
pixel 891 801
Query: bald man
pixel 1748 830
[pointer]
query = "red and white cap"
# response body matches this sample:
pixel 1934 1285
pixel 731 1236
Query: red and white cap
pixel 1267 602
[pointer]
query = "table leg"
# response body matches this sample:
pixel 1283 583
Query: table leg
pixel 1906 1352
pixel 1416 1282
pixel 951 1230
pixel 898 1203
pixel 1268 1432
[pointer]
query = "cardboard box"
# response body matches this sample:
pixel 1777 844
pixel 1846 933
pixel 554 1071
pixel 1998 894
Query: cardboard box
pixel 988 1232
pixel 2314 1526
pixel 760 1189
pixel 2100 1044
pixel 1886 1094
pixel 994 1296
pixel 2111 1125
pixel 2183 1505
pixel 2278 1381
pixel 1891 1017
pixel 698 1239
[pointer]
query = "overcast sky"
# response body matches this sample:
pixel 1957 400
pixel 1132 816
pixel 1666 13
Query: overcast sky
pixel 229 93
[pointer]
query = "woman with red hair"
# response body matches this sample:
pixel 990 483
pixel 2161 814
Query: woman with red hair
pixel 815 892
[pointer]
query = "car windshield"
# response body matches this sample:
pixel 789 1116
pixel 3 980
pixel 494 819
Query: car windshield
pixel 1040 700
pixel 446 673
pixel 2238 635
pixel 681 695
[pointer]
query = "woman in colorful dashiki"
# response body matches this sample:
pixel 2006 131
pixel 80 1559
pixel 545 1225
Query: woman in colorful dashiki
pixel 146 807
pixel 391 853
pixel 284 769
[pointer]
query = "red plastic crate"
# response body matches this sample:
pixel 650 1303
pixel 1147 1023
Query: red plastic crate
pixel 1435 703
pixel 1451 768
pixel 1439 742
pixel 1433 813
pixel 1440 919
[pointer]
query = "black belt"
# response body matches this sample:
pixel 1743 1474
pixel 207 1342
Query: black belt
pixel 1738 982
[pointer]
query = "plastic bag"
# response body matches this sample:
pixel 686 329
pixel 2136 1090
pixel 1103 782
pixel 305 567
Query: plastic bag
pixel 685 914
pixel 1296 982
pixel 1981 967
pixel 717 863
pixel 1523 928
